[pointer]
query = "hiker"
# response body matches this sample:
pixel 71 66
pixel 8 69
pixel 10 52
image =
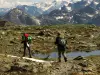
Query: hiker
pixel 26 40
pixel 61 46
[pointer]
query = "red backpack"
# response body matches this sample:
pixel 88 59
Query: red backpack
pixel 27 38
pixel 26 35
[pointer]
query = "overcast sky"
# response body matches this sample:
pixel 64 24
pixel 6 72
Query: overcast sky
pixel 10 3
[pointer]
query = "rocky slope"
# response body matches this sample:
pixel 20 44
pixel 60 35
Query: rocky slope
pixel 20 17
pixel 20 66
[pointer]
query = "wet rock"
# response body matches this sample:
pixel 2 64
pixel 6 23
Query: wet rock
pixel 79 58
pixel 87 51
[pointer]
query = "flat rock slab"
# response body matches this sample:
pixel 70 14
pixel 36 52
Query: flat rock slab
pixel 26 58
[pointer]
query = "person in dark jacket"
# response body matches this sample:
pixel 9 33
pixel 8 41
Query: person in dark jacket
pixel 26 44
pixel 61 48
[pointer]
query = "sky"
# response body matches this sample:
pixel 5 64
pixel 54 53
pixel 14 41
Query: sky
pixel 11 3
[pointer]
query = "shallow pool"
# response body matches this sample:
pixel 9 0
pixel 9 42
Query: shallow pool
pixel 69 55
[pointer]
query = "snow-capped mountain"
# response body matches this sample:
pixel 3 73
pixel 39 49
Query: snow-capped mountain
pixel 81 4
pixel 48 6
pixel 31 10
pixel 58 12
pixel 98 6
pixel 51 5
pixel 3 11
pixel 82 13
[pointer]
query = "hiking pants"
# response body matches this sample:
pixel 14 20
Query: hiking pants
pixel 61 52
pixel 26 46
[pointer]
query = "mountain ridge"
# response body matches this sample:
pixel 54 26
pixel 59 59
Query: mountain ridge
pixel 19 17
pixel 64 12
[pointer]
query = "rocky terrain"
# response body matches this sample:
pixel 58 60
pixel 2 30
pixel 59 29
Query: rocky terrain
pixel 20 66
pixel 79 38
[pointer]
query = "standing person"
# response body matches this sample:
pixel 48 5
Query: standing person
pixel 26 39
pixel 61 46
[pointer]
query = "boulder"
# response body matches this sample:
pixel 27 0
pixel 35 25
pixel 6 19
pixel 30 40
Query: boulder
pixel 2 23
pixel 79 58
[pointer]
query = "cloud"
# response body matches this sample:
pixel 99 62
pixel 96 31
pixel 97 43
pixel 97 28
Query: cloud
pixel 13 3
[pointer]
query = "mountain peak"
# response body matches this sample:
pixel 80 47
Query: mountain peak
pixel 20 17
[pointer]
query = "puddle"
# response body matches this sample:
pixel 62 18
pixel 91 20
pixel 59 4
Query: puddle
pixel 69 55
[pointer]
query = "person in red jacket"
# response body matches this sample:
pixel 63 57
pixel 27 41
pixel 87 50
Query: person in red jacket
pixel 26 44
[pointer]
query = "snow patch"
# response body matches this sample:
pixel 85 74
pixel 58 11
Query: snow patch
pixel 90 15
pixel 59 17
pixel 31 59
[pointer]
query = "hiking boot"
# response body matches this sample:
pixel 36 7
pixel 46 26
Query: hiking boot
pixel 65 59
pixel 30 56
pixel 23 56
pixel 59 59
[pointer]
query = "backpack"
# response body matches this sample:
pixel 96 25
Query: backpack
pixel 62 42
pixel 27 37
